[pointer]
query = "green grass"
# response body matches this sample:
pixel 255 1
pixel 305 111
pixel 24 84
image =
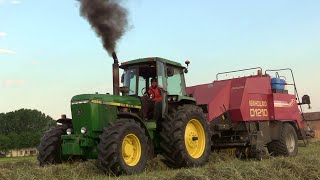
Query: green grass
pixel 17 159
pixel 304 166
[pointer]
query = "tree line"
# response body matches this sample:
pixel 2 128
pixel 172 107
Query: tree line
pixel 22 128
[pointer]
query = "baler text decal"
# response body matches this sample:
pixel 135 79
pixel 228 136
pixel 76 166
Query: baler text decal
pixel 259 108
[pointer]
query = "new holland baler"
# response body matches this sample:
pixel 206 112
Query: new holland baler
pixel 251 112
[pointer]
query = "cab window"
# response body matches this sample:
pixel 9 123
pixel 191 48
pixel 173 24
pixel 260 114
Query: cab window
pixel 175 81
pixel 130 77
pixel 137 78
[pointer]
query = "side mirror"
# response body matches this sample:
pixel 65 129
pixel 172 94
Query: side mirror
pixel 122 78
pixel 170 72
pixel 132 74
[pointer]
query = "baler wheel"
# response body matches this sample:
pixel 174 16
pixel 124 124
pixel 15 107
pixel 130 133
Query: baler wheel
pixel 123 148
pixel 287 145
pixel 50 146
pixel 185 137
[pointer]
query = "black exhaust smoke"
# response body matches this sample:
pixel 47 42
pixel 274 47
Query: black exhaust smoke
pixel 107 18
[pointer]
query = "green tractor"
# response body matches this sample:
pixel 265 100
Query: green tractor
pixel 114 130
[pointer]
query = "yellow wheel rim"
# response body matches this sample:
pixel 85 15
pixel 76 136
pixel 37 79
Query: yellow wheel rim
pixel 195 138
pixel 131 150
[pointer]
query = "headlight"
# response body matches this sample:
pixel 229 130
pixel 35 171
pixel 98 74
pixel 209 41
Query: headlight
pixel 69 131
pixel 174 98
pixel 83 130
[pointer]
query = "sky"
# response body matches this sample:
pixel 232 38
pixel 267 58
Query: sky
pixel 48 53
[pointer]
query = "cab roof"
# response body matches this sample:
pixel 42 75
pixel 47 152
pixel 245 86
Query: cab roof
pixel 150 59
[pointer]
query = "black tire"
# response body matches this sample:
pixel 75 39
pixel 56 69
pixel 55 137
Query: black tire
pixel 287 145
pixel 172 137
pixel 50 146
pixel 110 156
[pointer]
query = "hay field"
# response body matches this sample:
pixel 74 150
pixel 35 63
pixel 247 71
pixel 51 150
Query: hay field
pixel 221 166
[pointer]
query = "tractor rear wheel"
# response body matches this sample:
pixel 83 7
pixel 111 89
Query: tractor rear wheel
pixel 185 137
pixel 50 146
pixel 123 148
pixel 287 145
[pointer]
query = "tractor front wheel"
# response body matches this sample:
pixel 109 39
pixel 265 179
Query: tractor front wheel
pixel 50 146
pixel 123 147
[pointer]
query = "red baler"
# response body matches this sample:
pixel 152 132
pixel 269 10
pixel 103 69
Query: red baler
pixel 252 112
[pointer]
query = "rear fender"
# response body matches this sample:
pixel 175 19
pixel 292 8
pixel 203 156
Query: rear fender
pixel 186 100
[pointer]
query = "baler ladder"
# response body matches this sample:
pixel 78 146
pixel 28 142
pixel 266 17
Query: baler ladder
pixel 296 94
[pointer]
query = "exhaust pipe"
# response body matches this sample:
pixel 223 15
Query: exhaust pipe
pixel 115 72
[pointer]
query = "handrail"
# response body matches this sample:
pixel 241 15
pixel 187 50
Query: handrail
pixel 296 93
pixel 294 85
pixel 237 71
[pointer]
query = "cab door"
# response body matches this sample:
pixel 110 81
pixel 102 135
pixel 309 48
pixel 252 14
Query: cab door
pixel 162 82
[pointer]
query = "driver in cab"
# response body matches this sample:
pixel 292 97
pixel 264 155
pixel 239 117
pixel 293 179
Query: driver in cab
pixel 154 91
pixel 152 105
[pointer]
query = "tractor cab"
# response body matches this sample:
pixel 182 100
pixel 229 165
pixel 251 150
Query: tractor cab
pixel 138 73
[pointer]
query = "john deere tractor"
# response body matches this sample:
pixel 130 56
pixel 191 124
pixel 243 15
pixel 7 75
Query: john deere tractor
pixel 114 130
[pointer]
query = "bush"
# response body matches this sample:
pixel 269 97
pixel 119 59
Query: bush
pixel 22 128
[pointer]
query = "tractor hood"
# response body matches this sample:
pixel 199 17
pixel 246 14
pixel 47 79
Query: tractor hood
pixel 107 99
pixel 95 111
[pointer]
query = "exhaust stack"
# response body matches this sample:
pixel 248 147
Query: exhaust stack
pixel 115 72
